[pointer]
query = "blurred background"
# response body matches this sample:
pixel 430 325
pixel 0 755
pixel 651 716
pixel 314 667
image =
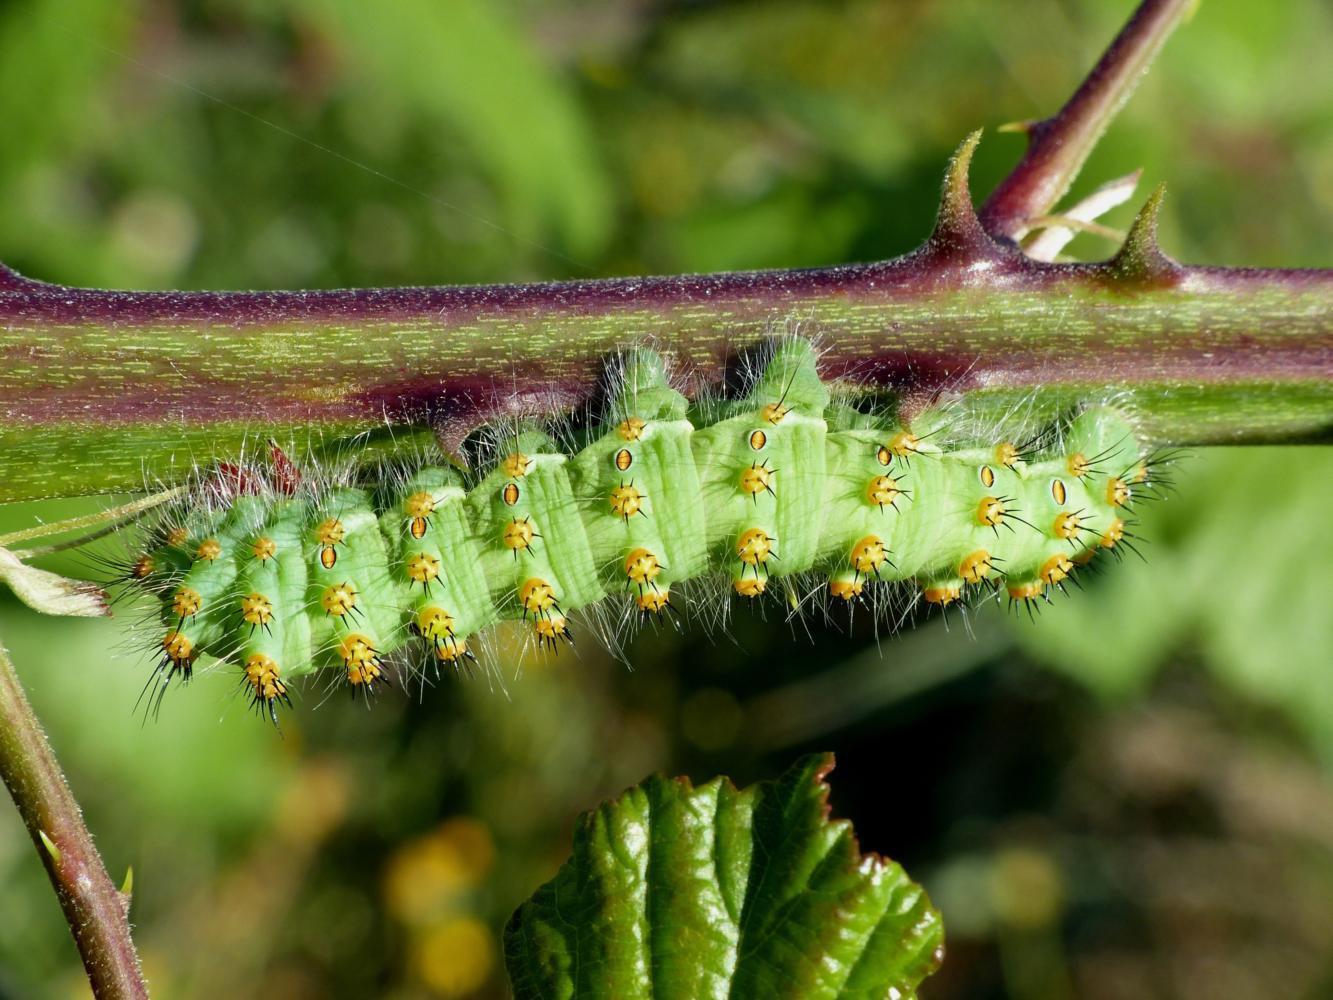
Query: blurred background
pixel 1131 799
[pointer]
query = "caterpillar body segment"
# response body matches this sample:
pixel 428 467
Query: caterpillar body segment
pixel 638 487
pixel 197 609
pixel 271 625
pixel 782 481
pixel 444 587
pixel 535 552
pixel 649 509
pixel 761 473
pixel 350 589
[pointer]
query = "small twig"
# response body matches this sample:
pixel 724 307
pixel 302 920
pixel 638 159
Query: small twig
pixel 26 555
pixel 96 912
pixel 1059 145
pixel 123 513
pixel 1117 236
pixel 1046 244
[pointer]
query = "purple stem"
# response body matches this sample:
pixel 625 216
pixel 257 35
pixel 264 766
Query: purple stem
pixel 1059 145
pixel 96 912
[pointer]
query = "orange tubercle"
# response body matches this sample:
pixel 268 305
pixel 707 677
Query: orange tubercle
pixel 756 479
pixel 518 534
pixel 653 600
pixel 1056 569
pixel 536 596
pixel 754 547
pixel 749 586
pixel 516 465
pixel 868 555
pixel 990 511
pixel 846 590
pixel 975 567
pixel 942 594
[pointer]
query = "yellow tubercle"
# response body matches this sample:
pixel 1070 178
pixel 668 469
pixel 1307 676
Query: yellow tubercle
pixel 990 511
pixel 868 555
pixel 361 660
pixel 1118 492
pixel 757 479
pixel 905 443
pixel 882 491
pixel 626 501
pixel 942 594
pixel 1027 591
pixel 1056 569
pixel 435 622
pixel 749 586
pixel 1066 526
pixel 518 534
pixel 263 675
pixel 642 566
pixel 179 649
pixel 975 567
pixel 846 590
pixel 754 547
pixel 330 531
pixel 516 465
pixel 422 567
pixel 256 609
pixel 653 600
pixel 338 600
pixel 186 602
pixel 536 596
pixel 1113 534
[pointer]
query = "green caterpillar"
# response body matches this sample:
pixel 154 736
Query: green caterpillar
pixel 286 581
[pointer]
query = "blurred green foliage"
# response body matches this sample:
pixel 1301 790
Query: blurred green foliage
pixel 1151 817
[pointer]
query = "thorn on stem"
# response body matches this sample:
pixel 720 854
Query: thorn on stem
pixel 50 846
pixel 1140 259
pixel 127 890
pixel 958 234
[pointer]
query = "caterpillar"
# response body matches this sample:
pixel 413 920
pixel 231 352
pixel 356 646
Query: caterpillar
pixel 283 577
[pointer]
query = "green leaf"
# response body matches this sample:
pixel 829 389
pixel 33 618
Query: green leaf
pixel 681 892
pixel 51 594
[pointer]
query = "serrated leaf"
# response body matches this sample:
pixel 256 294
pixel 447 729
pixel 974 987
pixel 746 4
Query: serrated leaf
pixel 682 893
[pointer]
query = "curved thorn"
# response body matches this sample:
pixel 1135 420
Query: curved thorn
pixel 958 232
pixel 1140 258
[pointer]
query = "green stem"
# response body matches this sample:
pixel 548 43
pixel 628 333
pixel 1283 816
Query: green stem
pixel 95 910
pixel 127 511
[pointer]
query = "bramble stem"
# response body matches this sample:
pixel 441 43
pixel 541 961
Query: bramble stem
pixel 96 911
pixel 1203 355
pixel 1059 145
